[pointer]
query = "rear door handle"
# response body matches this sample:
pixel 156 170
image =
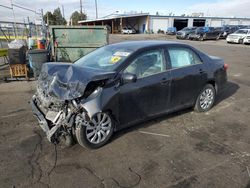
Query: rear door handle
pixel 164 81
pixel 201 71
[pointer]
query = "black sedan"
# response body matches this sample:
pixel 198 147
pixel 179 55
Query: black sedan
pixel 184 33
pixel 122 84
pixel 205 33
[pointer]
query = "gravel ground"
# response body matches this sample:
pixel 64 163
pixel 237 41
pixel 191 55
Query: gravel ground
pixel 184 149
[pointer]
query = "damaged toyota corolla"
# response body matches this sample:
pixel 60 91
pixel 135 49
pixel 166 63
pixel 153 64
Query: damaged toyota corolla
pixel 122 84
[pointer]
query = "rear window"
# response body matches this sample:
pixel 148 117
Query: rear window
pixel 182 57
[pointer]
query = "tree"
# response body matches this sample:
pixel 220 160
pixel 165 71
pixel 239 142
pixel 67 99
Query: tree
pixel 60 20
pixel 54 19
pixel 49 18
pixel 77 16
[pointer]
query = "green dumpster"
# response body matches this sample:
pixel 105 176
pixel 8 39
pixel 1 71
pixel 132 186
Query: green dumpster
pixel 69 43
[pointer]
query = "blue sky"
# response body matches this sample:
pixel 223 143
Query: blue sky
pixel 227 8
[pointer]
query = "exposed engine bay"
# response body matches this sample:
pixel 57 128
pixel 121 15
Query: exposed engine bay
pixel 66 99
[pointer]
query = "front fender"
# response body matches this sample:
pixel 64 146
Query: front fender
pixel 92 107
pixel 106 99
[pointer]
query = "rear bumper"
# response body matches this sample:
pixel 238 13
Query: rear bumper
pixel 222 83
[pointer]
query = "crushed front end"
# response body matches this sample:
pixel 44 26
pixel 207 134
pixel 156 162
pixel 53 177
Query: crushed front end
pixel 58 118
pixel 62 100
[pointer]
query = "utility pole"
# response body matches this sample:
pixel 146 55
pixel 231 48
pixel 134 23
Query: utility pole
pixel 15 26
pixel 81 6
pixel 96 12
pixel 47 19
pixel 43 25
pixel 29 26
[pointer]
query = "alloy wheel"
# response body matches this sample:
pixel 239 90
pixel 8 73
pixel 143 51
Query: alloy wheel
pixel 206 98
pixel 99 128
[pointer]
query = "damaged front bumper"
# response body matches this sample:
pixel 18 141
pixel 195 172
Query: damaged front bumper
pixel 63 121
pixel 40 116
pixel 43 123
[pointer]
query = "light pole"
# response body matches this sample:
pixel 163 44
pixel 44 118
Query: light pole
pixel 96 11
pixel 81 6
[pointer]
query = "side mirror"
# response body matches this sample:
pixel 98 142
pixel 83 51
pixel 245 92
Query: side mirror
pixel 128 78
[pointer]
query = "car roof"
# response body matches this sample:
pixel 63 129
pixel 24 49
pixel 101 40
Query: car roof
pixel 136 45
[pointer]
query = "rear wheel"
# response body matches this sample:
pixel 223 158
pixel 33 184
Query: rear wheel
pixel 206 98
pixel 97 133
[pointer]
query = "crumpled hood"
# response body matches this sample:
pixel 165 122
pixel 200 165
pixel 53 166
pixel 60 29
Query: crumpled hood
pixel 66 81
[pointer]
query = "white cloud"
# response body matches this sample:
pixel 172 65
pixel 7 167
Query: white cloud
pixel 228 8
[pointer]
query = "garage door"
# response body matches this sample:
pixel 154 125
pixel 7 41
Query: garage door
pixel 245 22
pixel 159 24
pixel 216 23
pixel 234 22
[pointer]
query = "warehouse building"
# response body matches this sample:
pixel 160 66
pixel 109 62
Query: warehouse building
pixel 152 23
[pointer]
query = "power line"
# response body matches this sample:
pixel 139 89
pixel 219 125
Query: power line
pixel 25 8
pixel 5 7
pixel 19 6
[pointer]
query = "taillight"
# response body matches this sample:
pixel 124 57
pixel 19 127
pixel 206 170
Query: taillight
pixel 225 66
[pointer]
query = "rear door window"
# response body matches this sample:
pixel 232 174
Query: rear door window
pixel 182 57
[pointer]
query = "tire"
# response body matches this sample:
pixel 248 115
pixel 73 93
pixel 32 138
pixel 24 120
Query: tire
pixel 206 99
pixel 88 136
pixel 201 38
pixel 241 41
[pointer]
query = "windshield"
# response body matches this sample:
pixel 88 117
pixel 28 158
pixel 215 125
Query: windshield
pixel 107 58
pixel 200 29
pixel 241 31
pixel 188 29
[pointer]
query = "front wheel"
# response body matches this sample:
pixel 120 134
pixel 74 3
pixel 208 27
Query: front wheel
pixel 206 98
pixel 218 37
pixel 201 38
pixel 96 133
